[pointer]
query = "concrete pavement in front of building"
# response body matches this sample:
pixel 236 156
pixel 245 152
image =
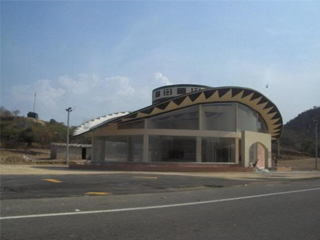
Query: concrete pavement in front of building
pixel 7 169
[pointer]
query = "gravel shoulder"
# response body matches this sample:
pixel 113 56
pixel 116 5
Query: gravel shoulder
pixel 7 169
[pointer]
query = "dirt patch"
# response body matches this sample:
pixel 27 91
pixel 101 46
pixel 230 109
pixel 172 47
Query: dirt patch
pixel 26 156
pixel 16 160
pixel 31 153
pixel 299 164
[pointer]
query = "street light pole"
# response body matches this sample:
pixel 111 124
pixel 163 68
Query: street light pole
pixel 316 149
pixel 69 109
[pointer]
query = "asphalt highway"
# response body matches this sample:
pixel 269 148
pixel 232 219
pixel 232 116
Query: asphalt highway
pixel 53 186
pixel 268 210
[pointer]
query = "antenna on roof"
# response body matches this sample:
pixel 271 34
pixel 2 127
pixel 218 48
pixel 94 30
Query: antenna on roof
pixel 34 103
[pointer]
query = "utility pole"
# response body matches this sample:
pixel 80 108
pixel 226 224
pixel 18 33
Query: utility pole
pixel 69 109
pixel 34 103
pixel 316 138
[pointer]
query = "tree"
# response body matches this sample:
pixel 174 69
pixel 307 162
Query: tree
pixel 5 112
pixel 15 112
pixel 27 136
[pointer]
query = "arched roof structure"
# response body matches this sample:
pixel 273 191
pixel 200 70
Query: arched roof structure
pixel 249 97
pixel 94 123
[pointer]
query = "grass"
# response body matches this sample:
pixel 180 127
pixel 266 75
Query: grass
pixel 299 163
pixel 27 156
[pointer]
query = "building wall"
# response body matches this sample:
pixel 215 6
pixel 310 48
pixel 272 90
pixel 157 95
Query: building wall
pixel 59 152
pixel 168 92
pixel 250 138
pixel 241 148
pixel 188 139
pixel 100 138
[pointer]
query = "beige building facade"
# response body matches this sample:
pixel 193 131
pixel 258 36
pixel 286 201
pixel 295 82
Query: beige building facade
pixel 192 124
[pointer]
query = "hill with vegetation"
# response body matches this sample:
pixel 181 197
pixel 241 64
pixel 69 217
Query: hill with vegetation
pixel 18 131
pixel 299 133
pixel 298 138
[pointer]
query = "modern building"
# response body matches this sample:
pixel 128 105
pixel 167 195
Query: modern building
pixel 192 124
pixel 76 151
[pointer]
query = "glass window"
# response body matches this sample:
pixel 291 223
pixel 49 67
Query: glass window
pixel 181 91
pixel 187 118
pixel 262 126
pixel 132 125
pixel 124 148
pixel 219 117
pixel 195 89
pixel 157 94
pixel 167 92
pixel 172 149
pixel 250 120
pixel 218 150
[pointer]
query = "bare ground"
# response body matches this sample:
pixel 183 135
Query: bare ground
pixel 299 163
pixel 42 156
pixel 27 156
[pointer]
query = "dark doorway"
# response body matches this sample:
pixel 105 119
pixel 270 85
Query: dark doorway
pixel 84 153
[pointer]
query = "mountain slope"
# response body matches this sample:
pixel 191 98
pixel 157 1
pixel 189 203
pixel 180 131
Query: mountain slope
pixel 299 133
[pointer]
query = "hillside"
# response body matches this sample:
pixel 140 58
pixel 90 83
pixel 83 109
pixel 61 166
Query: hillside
pixel 17 131
pixel 299 133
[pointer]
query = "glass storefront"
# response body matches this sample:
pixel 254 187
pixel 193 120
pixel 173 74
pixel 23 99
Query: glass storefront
pixel 219 117
pixel 187 118
pixel 124 148
pixel 218 150
pixel 249 120
pixel 228 117
pixel 168 149
pixel 172 149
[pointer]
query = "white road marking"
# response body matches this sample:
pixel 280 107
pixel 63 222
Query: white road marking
pixel 157 207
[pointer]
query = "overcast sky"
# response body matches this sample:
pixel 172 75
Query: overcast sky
pixel 104 57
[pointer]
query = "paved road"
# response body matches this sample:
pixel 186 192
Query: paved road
pixel 46 186
pixel 65 184
pixel 273 210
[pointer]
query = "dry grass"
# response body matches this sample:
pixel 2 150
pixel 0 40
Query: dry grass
pixel 299 163
pixel 27 156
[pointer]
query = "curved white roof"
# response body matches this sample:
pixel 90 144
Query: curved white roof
pixel 89 125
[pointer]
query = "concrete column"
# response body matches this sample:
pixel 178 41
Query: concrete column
pixel 269 157
pixel 236 150
pixel 250 138
pixel 145 148
pixel 199 150
pixel 244 150
pixel 94 154
pixel 102 143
